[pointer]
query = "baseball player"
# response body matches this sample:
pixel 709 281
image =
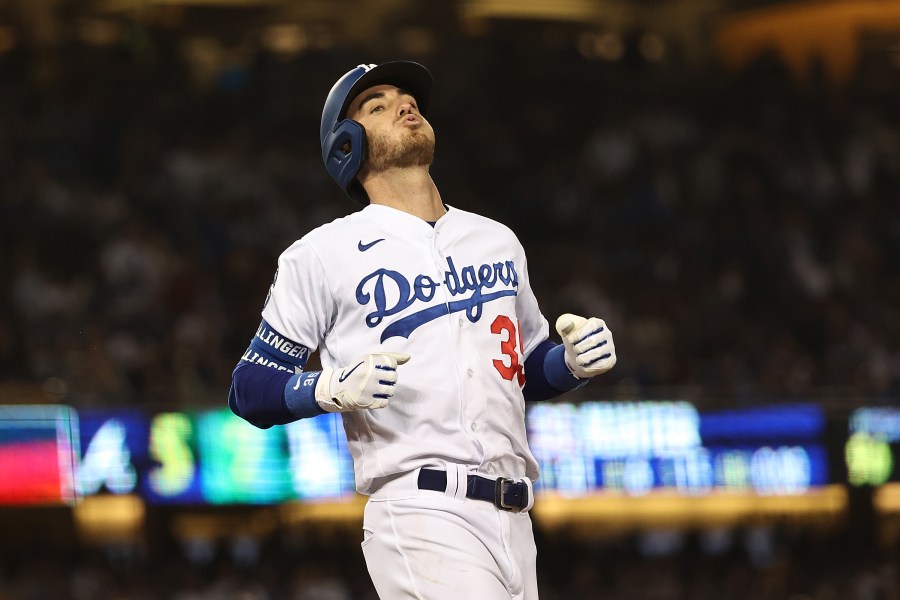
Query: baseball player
pixel 430 339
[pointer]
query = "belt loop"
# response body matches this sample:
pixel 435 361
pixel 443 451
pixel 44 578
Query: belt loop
pixel 457 481
pixel 462 478
pixel 530 485
pixel 450 490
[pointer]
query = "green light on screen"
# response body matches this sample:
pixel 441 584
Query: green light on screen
pixel 242 464
pixel 869 460
pixel 170 435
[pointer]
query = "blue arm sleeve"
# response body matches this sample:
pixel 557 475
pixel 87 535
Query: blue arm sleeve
pixel 546 373
pixel 265 390
pixel 257 395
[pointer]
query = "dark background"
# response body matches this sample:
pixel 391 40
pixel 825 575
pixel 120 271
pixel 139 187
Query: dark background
pixel 717 180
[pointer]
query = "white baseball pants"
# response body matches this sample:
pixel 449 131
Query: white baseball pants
pixel 427 545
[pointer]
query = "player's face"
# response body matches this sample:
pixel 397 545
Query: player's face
pixel 398 135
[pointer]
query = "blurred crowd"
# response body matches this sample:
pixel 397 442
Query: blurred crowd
pixel 749 565
pixel 739 231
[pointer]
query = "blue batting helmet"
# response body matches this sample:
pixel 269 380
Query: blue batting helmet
pixel 344 140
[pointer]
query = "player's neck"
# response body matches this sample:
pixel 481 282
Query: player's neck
pixel 409 190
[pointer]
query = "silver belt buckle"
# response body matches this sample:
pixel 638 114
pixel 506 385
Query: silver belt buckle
pixel 500 488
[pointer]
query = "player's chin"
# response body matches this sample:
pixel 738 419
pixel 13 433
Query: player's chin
pixel 419 151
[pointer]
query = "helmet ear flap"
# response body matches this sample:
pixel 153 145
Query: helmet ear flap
pixel 347 151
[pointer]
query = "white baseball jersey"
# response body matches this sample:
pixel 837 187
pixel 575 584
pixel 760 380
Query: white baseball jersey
pixel 456 297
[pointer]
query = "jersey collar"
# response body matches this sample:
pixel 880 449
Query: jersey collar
pixel 393 217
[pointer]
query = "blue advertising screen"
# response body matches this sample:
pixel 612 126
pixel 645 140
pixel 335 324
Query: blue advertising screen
pixel 213 457
pixel 637 447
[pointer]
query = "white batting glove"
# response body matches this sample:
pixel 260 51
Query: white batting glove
pixel 367 382
pixel 589 345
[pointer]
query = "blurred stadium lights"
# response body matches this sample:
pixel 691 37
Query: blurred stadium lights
pixel 417 41
pixel 98 32
pixel 886 499
pixel 286 39
pixel 617 513
pixel 206 57
pixel 804 32
pixel 109 518
pixel 561 10
pixel 323 511
pixel 607 46
pixel 652 47
pixel 7 39
pixel 120 5
pixel 612 46
pixel 209 525
pixel 734 32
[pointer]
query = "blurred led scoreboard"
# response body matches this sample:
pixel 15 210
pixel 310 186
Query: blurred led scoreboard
pixel 54 454
pixel 203 457
pixel 214 457
pixel 637 447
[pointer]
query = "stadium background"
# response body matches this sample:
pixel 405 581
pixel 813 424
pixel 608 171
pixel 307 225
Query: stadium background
pixel 723 172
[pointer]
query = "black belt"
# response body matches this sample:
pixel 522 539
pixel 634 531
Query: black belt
pixel 504 493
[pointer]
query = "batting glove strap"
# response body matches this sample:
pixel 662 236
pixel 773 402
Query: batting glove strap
pixel 367 382
pixel 557 371
pixel 323 391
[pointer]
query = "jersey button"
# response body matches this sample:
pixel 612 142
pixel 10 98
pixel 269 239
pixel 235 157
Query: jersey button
pixel 474 426
pixel 470 373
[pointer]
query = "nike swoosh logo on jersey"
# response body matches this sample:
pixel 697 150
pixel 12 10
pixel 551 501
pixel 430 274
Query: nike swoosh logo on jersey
pixel 347 374
pixel 363 247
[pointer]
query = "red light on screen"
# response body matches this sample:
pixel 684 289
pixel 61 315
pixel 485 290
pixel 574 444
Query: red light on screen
pixel 37 456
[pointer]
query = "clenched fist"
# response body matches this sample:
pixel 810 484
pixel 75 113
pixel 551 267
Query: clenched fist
pixel 589 345
pixel 367 382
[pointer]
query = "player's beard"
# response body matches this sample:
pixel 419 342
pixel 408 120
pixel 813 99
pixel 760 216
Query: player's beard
pixel 413 150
